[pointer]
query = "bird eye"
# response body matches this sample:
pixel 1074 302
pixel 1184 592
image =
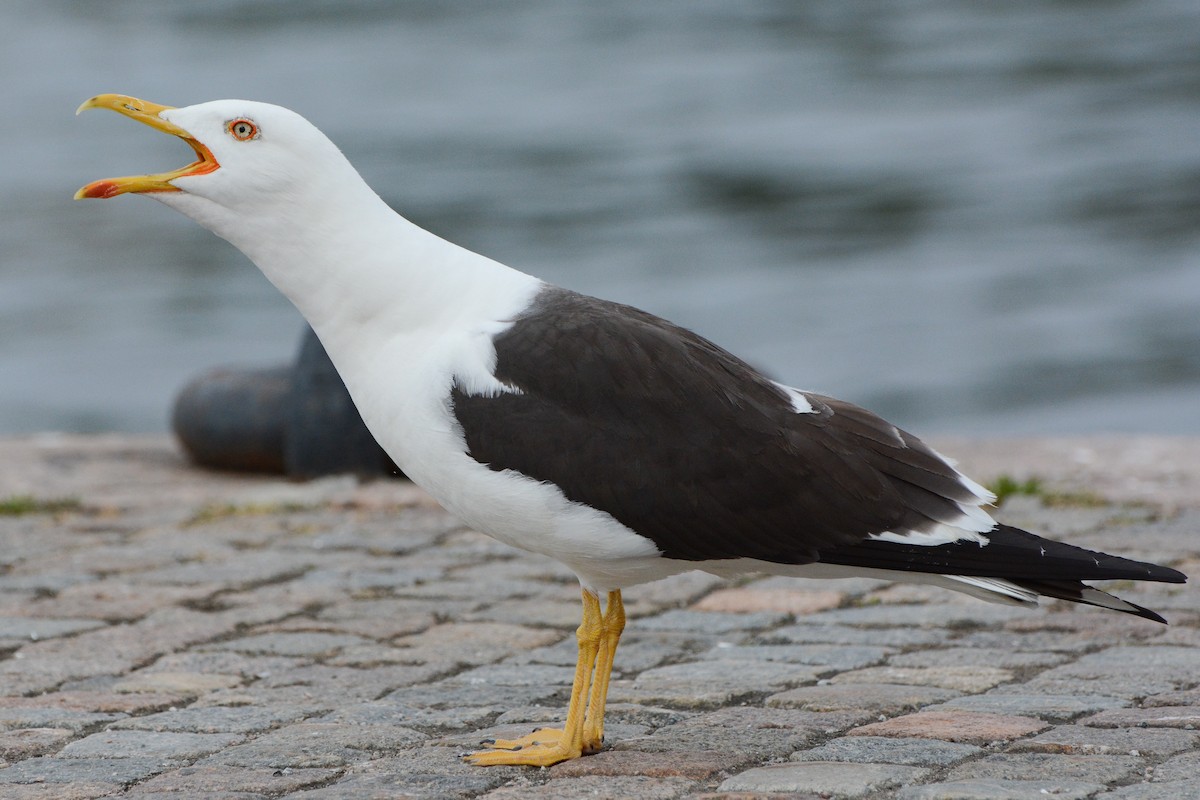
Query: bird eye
pixel 242 129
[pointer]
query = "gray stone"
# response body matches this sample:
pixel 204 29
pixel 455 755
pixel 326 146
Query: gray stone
pixel 150 744
pixel 760 733
pixel 76 721
pixel 942 615
pixel 810 633
pixel 318 744
pixel 888 750
pixel 1047 766
pixel 976 657
pixel 426 720
pixel 1176 790
pixel 426 773
pixel 597 787
pixel 479 696
pixel 1183 767
pixel 827 778
pixel 516 675
pixel 1001 790
pixel 1052 707
pixel 704 684
pixel 713 622
pixel 83 770
pixel 879 698
pixel 836 658
pixel 309 644
pixel 214 719
pixel 1109 741
pixel 35 628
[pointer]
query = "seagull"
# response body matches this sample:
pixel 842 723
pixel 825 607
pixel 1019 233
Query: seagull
pixel 624 446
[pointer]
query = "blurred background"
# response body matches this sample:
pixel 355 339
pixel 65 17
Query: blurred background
pixel 977 218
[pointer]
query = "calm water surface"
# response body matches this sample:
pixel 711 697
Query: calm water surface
pixel 971 217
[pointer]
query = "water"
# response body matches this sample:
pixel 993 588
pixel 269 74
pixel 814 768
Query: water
pixel 971 217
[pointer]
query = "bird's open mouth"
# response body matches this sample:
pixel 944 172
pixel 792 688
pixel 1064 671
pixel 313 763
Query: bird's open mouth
pixel 148 114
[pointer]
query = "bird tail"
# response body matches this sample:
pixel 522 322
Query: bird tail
pixel 1014 566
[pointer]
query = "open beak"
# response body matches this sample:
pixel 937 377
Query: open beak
pixel 148 114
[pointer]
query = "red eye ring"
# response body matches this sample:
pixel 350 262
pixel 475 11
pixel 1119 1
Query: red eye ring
pixel 242 129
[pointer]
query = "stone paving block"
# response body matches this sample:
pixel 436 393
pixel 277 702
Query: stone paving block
pixel 696 766
pixel 886 750
pixel 94 701
pixel 1047 767
pixel 879 698
pixel 537 612
pixel 1187 717
pixel 209 781
pixel 712 622
pixel 1157 743
pixel 516 675
pixel 117 599
pixel 112 771
pixel 670 592
pixel 827 633
pixel 977 657
pixel 954 726
pixel 836 658
pixel 153 744
pixel 1043 641
pixel 15 718
pixel 590 787
pixel 58 791
pixel 941 615
pixel 37 628
pixel 343 684
pixel 385 618
pixel 1187 697
pixel 301 643
pixel 796 602
pixel 962 679
pixel 1050 707
pixel 116 649
pixel 1177 790
pixel 471 644
pixel 239 570
pixel 139 794
pixel 307 745
pixel 425 773
pixel 759 733
pixel 426 720
pixel 214 719
pixel 830 778
pixel 1182 767
pixel 28 742
pixel 1001 790
pixel 449 695
pixel 179 684
pixel 700 683
pixel 1122 685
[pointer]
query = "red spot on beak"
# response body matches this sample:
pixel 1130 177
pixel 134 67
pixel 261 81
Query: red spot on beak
pixel 101 189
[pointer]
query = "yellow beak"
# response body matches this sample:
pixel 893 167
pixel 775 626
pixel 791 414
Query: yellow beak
pixel 147 114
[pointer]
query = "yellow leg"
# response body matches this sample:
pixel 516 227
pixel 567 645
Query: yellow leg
pixel 612 625
pixel 550 746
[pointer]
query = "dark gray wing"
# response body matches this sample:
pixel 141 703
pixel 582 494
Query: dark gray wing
pixel 691 447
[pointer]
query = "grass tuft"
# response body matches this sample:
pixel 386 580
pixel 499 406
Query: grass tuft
pixel 19 505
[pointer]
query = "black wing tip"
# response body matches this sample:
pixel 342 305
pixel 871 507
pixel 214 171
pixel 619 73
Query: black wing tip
pixel 1165 574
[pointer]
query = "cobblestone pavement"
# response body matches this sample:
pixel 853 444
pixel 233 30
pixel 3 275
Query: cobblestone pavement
pixel 170 633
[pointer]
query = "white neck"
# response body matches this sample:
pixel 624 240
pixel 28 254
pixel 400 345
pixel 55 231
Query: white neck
pixel 345 259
